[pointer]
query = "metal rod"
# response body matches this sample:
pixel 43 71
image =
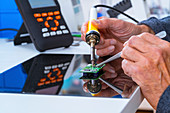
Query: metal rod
pixel 118 90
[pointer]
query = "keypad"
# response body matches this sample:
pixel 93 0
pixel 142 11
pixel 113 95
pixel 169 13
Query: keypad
pixel 53 73
pixel 55 29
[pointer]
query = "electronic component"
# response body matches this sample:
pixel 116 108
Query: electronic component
pixel 92 73
pixel 44 23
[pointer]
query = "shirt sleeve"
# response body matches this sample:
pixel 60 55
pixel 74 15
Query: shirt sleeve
pixel 158 25
pixel 164 102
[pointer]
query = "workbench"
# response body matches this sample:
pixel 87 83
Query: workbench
pixel 11 56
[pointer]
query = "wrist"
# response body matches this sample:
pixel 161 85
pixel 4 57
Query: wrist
pixel 145 28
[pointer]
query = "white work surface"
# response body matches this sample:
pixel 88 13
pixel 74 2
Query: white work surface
pixel 11 56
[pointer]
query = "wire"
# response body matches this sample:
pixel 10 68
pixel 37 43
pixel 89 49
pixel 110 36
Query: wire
pixel 8 29
pixel 117 11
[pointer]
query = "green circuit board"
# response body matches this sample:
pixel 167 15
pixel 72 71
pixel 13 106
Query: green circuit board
pixel 92 73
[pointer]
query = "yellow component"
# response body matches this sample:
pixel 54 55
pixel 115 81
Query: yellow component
pixel 91 26
pixel 95 94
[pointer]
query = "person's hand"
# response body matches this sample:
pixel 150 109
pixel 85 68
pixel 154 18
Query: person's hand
pixel 114 74
pixel 114 33
pixel 147 61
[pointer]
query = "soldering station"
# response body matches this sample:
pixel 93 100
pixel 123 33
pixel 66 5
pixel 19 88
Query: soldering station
pixel 45 60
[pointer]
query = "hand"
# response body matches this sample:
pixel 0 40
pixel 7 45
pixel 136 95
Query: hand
pixel 114 75
pixel 147 61
pixel 114 33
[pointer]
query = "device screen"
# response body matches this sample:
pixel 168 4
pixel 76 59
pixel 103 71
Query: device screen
pixel 41 3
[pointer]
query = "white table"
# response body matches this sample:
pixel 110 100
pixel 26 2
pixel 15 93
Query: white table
pixel 11 56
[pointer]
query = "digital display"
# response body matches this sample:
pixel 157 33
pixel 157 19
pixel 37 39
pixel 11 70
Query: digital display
pixel 41 3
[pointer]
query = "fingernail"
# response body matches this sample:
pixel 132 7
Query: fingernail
pixel 111 48
pixel 96 21
pixel 84 28
pixel 125 43
pixel 114 75
pixel 112 71
pixel 112 42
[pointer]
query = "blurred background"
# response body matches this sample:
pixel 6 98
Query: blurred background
pixel 76 12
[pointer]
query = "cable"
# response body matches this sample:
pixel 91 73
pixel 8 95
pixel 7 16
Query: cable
pixel 8 29
pixel 117 11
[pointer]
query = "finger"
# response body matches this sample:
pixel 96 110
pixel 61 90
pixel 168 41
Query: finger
pixel 84 30
pixel 106 43
pixel 131 54
pixel 107 93
pixel 109 68
pixel 129 67
pixel 106 51
pixel 138 43
pixel 108 75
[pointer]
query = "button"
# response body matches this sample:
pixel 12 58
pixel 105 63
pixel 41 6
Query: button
pixel 54 66
pixel 46 71
pixel 56 12
pixel 50 14
pixel 49 18
pixel 54 28
pixel 59 80
pixel 40 84
pixel 44 15
pixel 56 22
pixel 60 65
pixel 64 68
pixel 59 72
pixel 52 34
pixel 56 69
pixel 43 80
pixel 47 82
pixel 53 81
pixel 46 34
pixel 59 32
pixel 46 24
pixel 65 31
pixel 40 19
pixel 47 67
pixel 62 27
pixel 66 64
pixel 58 17
pixel 44 29
pixel 60 76
pixel 49 74
pixel 37 15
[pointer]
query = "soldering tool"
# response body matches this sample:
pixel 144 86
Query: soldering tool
pixel 93 38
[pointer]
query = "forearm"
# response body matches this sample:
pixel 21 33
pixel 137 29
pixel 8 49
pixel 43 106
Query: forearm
pixel 157 25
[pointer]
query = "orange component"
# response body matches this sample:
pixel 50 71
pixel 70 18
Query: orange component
pixel 43 80
pixel 58 17
pixel 40 84
pixel 52 78
pixel 59 72
pixel 54 81
pixel 47 82
pixel 60 76
pixel 59 80
pixel 49 18
pixel 44 14
pixel 46 24
pixel 49 74
pixel 37 15
pixel 50 14
pixel 55 69
pixel 54 28
pixel 56 12
pixel 56 22
pixel 40 19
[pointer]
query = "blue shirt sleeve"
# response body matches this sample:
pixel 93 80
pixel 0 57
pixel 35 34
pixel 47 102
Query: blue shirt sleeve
pixel 164 102
pixel 158 25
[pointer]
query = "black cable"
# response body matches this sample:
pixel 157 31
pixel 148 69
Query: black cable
pixel 8 29
pixel 117 11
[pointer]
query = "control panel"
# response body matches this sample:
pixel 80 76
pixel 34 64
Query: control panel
pixel 45 24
